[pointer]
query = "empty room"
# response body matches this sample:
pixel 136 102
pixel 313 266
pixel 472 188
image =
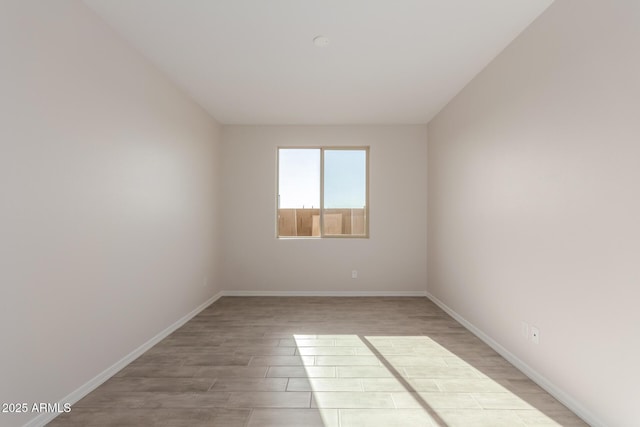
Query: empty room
pixel 341 213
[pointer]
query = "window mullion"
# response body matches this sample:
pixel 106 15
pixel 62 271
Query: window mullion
pixel 321 192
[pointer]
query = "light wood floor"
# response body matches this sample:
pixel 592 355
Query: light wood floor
pixel 307 362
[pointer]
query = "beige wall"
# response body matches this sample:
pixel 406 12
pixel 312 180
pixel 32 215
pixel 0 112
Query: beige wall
pixel 108 189
pixel 534 202
pixel 392 259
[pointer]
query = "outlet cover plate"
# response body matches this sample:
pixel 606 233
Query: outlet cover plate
pixel 535 335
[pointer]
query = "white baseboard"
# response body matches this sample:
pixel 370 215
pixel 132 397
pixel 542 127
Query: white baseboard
pixel 536 377
pixel 324 293
pixel 96 381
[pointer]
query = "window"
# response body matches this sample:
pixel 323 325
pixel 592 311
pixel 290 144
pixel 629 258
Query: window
pixel 323 192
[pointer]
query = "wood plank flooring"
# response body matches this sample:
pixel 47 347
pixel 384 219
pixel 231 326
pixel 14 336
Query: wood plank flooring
pixel 326 362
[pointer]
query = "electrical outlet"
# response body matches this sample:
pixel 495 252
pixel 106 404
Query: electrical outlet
pixel 524 330
pixel 354 274
pixel 535 335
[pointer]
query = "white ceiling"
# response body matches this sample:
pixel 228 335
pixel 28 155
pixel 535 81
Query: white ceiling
pixel 254 61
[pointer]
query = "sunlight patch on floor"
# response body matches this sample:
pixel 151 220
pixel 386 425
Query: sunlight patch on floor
pixel 414 380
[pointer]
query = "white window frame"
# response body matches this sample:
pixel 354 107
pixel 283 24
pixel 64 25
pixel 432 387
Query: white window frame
pixel 322 149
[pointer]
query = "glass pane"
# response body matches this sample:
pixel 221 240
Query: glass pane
pixel 345 192
pixel 298 192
